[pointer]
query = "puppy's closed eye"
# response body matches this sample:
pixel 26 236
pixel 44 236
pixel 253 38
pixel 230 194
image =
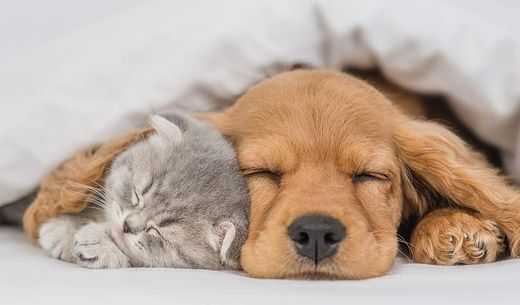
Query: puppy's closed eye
pixel 358 178
pixel 264 174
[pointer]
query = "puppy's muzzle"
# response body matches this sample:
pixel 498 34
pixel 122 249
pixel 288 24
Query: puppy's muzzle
pixel 316 236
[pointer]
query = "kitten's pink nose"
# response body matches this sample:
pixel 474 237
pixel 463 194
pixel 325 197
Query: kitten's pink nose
pixel 126 228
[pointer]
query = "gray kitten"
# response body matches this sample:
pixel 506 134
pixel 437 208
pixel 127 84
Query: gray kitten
pixel 175 199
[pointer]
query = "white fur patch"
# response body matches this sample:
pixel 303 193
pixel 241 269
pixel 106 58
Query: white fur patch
pixel 55 237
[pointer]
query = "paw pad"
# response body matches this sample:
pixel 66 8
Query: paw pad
pixel 83 258
pixel 456 237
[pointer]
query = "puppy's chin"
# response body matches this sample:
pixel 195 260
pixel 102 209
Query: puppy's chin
pixel 271 254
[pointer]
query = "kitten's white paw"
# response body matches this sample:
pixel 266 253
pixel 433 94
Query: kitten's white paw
pixel 93 248
pixel 55 237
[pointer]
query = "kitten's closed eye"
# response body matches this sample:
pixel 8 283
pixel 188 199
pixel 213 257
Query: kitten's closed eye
pixel 169 221
pixel 136 199
pixel 153 231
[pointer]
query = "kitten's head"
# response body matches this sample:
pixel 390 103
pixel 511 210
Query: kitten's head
pixel 178 198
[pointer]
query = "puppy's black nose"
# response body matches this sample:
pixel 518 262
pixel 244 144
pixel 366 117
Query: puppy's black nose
pixel 316 236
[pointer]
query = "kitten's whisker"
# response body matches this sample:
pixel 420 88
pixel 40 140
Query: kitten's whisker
pixel 96 191
pixel 97 208
pixel 99 203
pixel 93 199
pixel 140 247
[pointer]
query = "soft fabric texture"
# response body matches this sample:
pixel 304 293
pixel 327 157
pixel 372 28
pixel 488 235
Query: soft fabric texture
pixel 103 79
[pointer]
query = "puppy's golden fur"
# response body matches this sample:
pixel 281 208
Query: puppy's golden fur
pixel 303 137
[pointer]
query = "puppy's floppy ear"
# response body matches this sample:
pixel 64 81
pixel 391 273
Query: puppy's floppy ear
pixel 68 187
pixel 438 165
pixel 223 121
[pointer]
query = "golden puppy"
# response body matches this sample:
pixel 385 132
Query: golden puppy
pixel 333 167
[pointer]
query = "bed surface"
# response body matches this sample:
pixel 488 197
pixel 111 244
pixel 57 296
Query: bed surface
pixel 28 276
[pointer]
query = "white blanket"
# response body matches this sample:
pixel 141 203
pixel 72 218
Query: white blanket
pixel 103 79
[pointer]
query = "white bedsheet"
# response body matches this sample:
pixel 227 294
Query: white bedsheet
pixel 100 80
pixel 28 277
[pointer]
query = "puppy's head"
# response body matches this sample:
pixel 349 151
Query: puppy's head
pixel 325 186
pixel 332 167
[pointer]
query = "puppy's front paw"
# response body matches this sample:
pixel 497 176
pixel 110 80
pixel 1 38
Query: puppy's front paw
pixel 453 236
pixel 93 248
pixel 56 235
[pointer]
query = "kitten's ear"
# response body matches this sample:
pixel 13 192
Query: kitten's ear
pixel 166 129
pixel 226 233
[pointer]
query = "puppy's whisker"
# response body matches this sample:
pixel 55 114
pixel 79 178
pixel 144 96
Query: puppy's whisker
pixel 400 239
